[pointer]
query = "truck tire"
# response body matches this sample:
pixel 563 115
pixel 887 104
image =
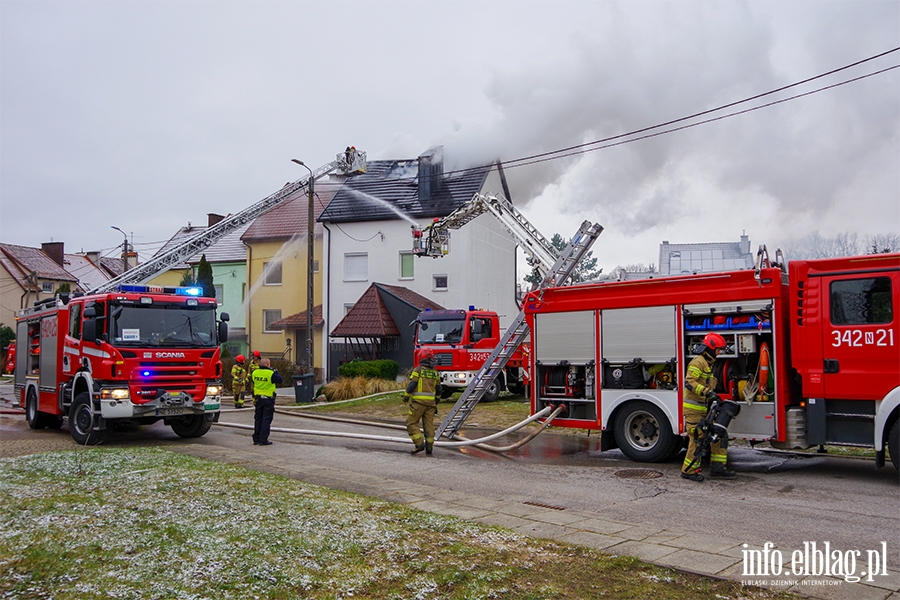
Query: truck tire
pixel 36 419
pixel 81 422
pixel 192 426
pixel 894 444
pixel 447 391
pixel 492 393
pixel 643 433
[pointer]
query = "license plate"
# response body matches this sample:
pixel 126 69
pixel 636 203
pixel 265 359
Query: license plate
pixel 168 412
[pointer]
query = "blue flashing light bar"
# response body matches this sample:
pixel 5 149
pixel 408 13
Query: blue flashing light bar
pixel 158 289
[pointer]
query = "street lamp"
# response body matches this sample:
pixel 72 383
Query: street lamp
pixel 310 288
pixel 124 248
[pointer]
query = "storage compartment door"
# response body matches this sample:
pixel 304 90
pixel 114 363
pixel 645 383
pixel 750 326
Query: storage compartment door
pixel 564 336
pixel 647 333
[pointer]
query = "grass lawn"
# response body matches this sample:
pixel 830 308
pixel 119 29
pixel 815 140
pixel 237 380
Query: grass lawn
pixel 149 523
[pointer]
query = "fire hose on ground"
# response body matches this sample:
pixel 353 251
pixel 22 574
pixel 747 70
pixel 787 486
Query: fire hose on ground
pixel 451 444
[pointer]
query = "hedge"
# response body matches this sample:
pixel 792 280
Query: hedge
pixel 373 369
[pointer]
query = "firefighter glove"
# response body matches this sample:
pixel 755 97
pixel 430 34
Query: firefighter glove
pixel 405 398
pixel 712 396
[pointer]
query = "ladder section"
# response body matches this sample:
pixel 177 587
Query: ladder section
pixel 353 163
pixel 516 334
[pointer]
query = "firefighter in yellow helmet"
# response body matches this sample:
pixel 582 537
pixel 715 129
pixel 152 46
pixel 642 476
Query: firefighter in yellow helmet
pixel 421 396
pixel 699 394
pixel 239 375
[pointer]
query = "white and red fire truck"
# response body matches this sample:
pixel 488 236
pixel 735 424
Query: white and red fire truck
pixel 460 341
pixel 137 355
pixel 812 357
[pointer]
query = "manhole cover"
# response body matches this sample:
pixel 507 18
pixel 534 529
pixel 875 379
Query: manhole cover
pixel 638 474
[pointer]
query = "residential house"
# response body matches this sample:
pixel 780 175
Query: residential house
pixel 30 274
pixel 277 246
pixel 368 239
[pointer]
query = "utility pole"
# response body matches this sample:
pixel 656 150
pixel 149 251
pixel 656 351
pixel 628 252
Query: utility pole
pixel 124 248
pixel 310 287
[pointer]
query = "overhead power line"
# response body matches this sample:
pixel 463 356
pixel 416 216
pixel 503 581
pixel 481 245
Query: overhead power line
pixel 604 143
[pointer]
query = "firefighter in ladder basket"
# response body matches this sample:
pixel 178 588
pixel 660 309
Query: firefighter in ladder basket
pixel 699 398
pixel 421 396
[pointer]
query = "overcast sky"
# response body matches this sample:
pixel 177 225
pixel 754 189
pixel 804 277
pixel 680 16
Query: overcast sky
pixel 149 115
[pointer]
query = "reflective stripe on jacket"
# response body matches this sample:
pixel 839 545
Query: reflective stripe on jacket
pixel 697 382
pixel 426 382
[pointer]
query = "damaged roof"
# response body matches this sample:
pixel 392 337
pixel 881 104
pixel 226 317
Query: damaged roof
pixel 389 189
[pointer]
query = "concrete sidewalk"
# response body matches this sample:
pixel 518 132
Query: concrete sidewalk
pixel 720 557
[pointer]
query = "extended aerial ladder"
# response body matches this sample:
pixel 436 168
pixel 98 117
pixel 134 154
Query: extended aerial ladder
pixel 555 269
pixel 346 162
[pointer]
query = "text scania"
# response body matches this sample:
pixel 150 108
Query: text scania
pixel 170 355
pixel 816 561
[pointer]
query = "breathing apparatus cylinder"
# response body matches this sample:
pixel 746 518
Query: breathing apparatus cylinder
pixel 722 413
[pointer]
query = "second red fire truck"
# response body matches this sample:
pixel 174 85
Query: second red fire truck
pixel 812 357
pixel 136 355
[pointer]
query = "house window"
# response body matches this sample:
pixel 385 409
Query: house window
pixel 269 317
pixel 272 273
pixel 356 266
pixel 315 266
pixel 406 265
pixel 46 287
pixel 243 292
pixel 439 283
pixel 348 308
pixel 219 294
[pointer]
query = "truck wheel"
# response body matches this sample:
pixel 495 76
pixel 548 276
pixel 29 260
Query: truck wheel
pixel 190 427
pixel 492 393
pixel 643 433
pixel 81 422
pixel 894 445
pixel 446 392
pixel 36 419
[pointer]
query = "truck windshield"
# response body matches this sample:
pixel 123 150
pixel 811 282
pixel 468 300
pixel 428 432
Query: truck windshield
pixel 163 325
pixel 440 332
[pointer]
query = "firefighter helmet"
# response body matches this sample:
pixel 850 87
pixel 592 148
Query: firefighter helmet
pixel 239 358
pixel 256 354
pixel 714 341
pixel 426 359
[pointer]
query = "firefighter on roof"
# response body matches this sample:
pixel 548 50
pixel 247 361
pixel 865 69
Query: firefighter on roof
pixel 239 377
pixel 699 394
pixel 421 396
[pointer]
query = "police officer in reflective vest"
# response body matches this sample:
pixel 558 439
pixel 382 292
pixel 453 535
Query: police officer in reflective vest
pixel 264 380
pixel 421 397
pixel 699 394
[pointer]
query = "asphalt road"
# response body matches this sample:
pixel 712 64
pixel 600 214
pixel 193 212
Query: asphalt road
pixel 776 498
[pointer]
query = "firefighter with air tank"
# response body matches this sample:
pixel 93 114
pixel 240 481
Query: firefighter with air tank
pixel 421 396
pixel 239 377
pixel 700 399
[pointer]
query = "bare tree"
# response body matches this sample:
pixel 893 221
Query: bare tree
pixel 882 243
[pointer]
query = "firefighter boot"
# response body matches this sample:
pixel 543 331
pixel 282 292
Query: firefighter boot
pixel 695 476
pixel 429 449
pixel 719 470
pixel 418 449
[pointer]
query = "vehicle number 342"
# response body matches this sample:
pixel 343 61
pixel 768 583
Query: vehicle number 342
pixel 859 338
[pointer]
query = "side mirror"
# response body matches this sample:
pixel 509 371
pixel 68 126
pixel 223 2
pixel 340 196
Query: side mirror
pixel 89 329
pixel 223 331
pixel 90 312
pixel 224 317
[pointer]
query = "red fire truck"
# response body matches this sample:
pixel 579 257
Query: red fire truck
pixel 461 340
pixel 137 355
pixel 812 357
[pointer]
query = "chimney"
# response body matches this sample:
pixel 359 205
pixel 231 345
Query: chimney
pixel 93 256
pixel 54 250
pixel 213 218
pixel 745 244
pixel 431 172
